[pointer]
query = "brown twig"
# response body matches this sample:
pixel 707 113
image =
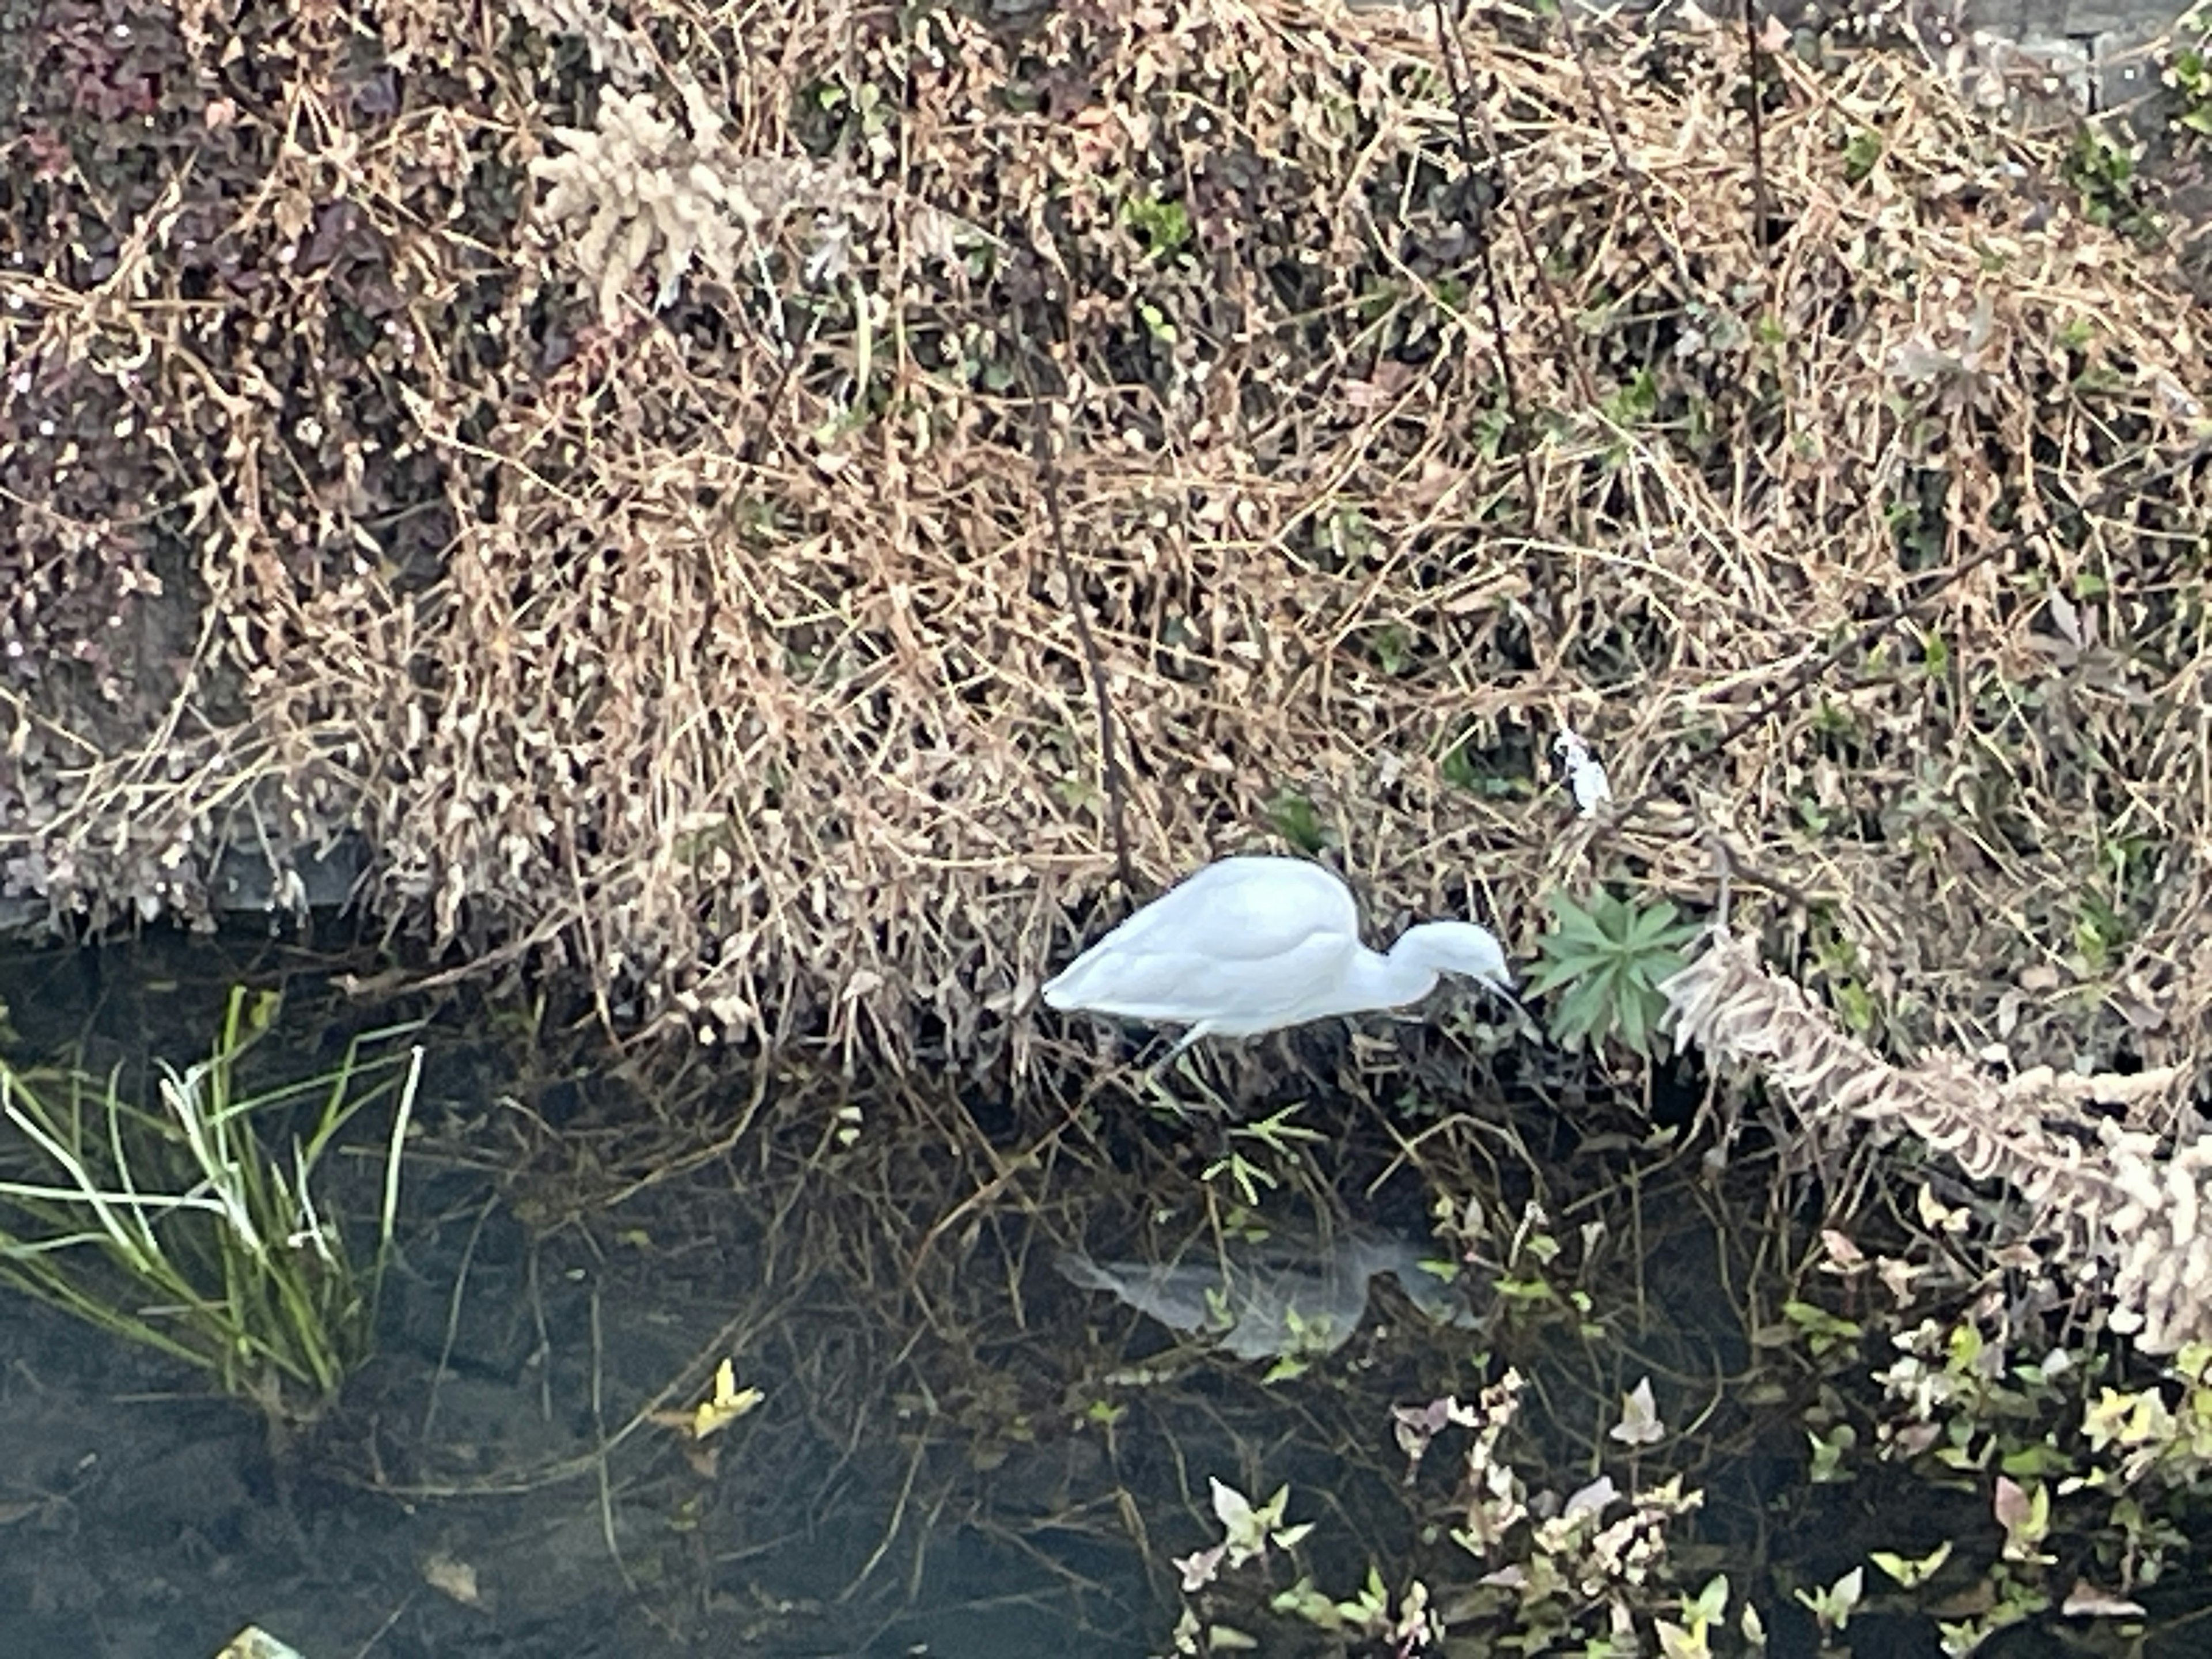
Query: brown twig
pixel 1811 668
pixel 1110 759
pixel 1451 49
pixel 1602 107
pixel 1762 234
pixel 1482 224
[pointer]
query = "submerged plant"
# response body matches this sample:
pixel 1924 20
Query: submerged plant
pixel 2189 70
pixel 1529 1570
pixel 190 1227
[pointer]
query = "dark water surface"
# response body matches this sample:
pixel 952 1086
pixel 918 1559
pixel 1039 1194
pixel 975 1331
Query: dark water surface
pixel 957 1453
pixel 459 1501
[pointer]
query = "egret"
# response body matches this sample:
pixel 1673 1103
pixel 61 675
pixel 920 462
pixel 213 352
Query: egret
pixel 1252 945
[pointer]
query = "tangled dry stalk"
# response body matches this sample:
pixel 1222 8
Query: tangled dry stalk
pixel 2108 1193
pixel 718 650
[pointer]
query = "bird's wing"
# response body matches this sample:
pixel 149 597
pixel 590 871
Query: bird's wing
pixel 1143 982
pixel 1240 927
pixel 1244 910
pixel 1233 917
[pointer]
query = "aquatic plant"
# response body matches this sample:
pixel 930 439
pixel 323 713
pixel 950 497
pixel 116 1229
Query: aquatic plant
pixel 1553 1567
pixel 2189 70
pixel 191 1227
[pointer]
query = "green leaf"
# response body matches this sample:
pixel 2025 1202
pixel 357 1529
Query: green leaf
pixel 1581 927
pixel 1293 816
pixel 1551 974
pixel 1630 1016
pixel 1604 960
pixel 1579 1014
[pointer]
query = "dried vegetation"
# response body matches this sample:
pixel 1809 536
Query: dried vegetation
pixel 604 451
pixel 2106 1194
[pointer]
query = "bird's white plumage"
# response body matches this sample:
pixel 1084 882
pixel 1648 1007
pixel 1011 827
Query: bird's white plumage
pixel 1251 944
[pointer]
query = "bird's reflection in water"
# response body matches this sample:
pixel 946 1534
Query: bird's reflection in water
pixel 1275 1298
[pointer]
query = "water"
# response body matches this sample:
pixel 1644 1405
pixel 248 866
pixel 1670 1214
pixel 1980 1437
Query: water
pixel 957 1451
pixel 919 1477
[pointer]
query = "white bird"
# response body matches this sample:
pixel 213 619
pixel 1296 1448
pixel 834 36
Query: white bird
pixel 1251 944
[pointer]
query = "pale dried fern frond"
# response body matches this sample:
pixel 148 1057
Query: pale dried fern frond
pixel 638 181
pixel 615 49
pixel 2097 1185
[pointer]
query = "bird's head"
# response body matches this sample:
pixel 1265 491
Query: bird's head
pixel 1460 947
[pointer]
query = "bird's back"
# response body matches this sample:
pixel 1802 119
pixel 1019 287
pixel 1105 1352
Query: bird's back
pixel 1224 946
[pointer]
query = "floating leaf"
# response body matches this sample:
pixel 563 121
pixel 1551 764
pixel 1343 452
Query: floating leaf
pixel 728 1403
pixel 1909 1573
pixel 1639 1423
pixel 2085 1601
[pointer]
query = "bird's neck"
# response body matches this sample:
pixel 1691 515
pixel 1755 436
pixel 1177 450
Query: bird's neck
pixel 1376 980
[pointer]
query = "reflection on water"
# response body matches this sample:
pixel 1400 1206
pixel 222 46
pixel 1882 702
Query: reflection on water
pixel 1270 1298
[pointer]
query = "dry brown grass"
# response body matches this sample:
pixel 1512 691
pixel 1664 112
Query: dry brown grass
pixel 722 653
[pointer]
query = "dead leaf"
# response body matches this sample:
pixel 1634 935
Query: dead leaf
pixel 455 1578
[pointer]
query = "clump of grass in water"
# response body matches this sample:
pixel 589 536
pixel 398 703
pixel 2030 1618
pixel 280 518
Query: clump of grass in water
pixel 186 1227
